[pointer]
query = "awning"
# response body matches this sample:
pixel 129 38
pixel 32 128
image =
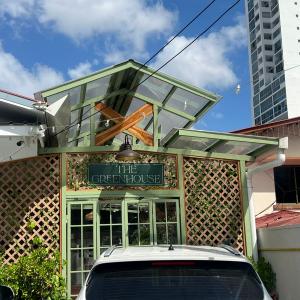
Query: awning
pixel 229 143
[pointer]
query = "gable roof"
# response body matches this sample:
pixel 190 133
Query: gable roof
pixel 179 104
pixel 279 128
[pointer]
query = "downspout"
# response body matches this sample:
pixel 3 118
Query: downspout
pixel 280 159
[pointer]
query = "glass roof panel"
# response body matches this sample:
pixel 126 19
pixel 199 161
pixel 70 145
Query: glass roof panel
pixel 97 87
pixel 193 143
pixel 74 96
pixel 168 121
pixel 235 147
pixel 217 142
pixel 187 102
pixel 154 88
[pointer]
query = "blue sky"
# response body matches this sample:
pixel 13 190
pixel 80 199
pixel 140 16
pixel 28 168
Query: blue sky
pixel 44 43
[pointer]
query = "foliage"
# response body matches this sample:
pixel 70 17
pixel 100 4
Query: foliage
pixel 265 272
pixel 35 276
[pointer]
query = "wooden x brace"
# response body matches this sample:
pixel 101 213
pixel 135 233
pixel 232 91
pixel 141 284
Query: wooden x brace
pixel 124 123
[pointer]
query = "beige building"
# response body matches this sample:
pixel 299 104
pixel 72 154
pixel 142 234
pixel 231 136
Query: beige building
pixel 276 197
pixel 278 188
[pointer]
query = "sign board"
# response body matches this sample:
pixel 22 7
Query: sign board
pixel 128 174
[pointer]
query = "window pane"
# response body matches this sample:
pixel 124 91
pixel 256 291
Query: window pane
pixel 144 234
pixel 104 235
pixel 75 260
pixel 160 212
pixel 105 214
pixel 87 236
pixel 171 211
pixel 161 234
pixel 144 213
pixel 200 280
pixel 116 216
pixel 75 215
pixel 285 184
pixel 172 234
pixel 132 213
pixel 88 259
pixel 117 235
pixel 87 214
pixel 133 235
pixel 75 237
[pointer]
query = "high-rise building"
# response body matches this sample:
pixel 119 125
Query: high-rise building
pixel 274 55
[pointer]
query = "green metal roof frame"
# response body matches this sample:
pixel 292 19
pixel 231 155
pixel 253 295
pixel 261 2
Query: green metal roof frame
pixel 126 65
pixel 210 97
pixel 218 139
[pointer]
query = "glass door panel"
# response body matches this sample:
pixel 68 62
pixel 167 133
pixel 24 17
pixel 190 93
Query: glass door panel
pixel 166 222
pixel 110 215
pixel 81 240
pixel 139 225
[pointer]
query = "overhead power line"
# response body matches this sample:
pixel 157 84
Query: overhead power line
pixel 151 58
pixel 168 61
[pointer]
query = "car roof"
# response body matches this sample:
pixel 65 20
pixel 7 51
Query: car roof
pixel 179 252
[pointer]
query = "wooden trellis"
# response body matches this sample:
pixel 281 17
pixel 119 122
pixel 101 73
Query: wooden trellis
pixel 29 205
pixel 213 202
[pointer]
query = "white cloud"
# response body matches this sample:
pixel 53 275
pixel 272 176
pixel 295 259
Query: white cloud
pixel 15 77
pixel 127 25
pixel 207 62
pixel 217 115
pixel 132 22
pixel 80 70
pixel 16 8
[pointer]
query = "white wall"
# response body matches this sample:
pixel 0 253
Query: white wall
pixel 263 182
pixel 11 135
pixel 281 247
pixel 290 34
pixel 263 192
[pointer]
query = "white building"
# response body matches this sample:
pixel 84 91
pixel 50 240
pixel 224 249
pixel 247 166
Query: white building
pixel 274 54
pixel 19 127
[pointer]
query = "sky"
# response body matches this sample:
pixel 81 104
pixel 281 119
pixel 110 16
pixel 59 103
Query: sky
pixel 46 42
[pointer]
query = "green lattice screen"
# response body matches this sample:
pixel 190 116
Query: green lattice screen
pixel 29 205
pixel 213 202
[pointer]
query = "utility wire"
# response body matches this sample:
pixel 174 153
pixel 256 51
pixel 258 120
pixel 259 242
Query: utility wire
pixel 146 62
pixel 169 60
pixel 179 32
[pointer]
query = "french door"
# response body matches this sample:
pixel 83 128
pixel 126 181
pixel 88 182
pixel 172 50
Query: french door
pixel 94 226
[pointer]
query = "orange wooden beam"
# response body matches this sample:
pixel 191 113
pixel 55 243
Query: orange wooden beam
pixel 124 123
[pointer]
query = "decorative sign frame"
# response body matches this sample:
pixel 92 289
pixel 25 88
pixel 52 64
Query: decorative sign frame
pixel 126 174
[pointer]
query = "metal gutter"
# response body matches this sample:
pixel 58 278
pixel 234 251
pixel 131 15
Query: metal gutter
pixel 283 145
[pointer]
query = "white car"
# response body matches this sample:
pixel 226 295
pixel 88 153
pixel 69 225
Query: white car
pixel 174 272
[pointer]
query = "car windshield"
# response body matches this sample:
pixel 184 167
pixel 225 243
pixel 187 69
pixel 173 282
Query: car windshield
pixel 174 280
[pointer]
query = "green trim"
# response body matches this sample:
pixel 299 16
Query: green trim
pixel 137 66
pixel 92 125
pixel 63 208
pixel 182 198
pixel 155 125
pixel 112 148
pixel 74 83
pixel 228 137
pixel 246 211
pixel 123 193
